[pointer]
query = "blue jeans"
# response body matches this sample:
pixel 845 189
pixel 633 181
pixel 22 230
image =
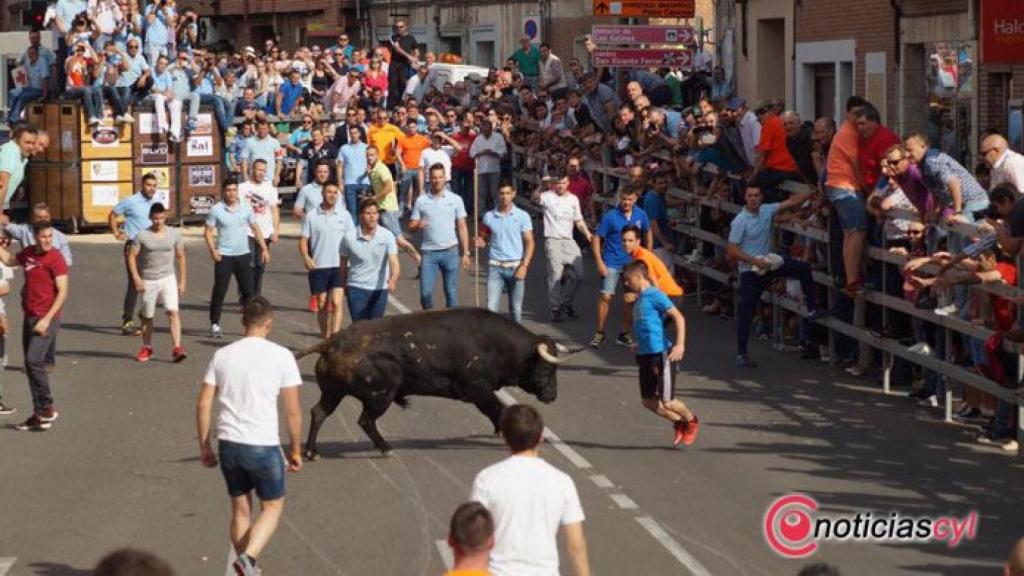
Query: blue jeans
pixel 219 108
pixel 447 263
pixel 409 188
pixel 119 97
pixel 92 99
pixel 352 193
pixel 500 280
pixel 247 467
pixel 19 97
pixel 462 184
pixel 752 285
pixel 366 304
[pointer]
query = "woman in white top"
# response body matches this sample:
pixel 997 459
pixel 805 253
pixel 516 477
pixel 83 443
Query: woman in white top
pixel 269 81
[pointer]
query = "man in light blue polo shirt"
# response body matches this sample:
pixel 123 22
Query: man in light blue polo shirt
pixel 135 210
pixel 231 219
pixel 14 154
pixel 749 244
pixel 371 254
pixel 159 17
pixel 511 235
pixel 353 169
pixel 322 232
pixel 441 216
pixel 311 195
pixel 263 147
pixel 133 77
pixel 610 257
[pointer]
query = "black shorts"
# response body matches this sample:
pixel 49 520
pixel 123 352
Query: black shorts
pixel 657 378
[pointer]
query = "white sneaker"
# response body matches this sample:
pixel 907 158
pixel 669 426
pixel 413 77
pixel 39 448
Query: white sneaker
pixel 127 118
pixel 931 401
pixel 215 331
pixel 921 348
pixel 93 121
pixel 946 310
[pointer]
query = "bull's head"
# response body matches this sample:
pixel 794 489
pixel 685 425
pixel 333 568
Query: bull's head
pixel 542 382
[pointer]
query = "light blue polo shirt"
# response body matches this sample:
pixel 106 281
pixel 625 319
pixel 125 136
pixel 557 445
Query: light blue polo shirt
pixel 353 163
pixel 753 232
pixel 610 230
pixel 367 256
pixel 310 197
pixel 325 231
pixel 156 31
pixel 136 67
pixel 12 163
pixel 507 233
pixel 265 149
pixel 441 213
pixel 135 210
pixel 649 321
pixel 232 227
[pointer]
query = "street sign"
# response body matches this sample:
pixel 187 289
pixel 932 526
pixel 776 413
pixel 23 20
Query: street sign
pixel 604 34
pixel 637 58
pixel 641 8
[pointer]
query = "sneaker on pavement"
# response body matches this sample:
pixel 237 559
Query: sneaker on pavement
pixel 178 354
pixel 690 432
pixel 33 424
pixel 946 310
pixel 597 340
pixel 857 370
pixel 742 361
pixel 6 410
pixel 624 339
pixel 144 354
pixel 49 414
pixel 680 431
pixel 245 566
pixel 313 306
pixel 215 331
pixel 127 328
pixel 931 401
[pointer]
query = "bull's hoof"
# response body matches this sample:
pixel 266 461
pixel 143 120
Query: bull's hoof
pixel 312 456
pixel 387 453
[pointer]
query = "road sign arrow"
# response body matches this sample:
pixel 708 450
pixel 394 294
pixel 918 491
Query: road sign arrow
pixel 601 8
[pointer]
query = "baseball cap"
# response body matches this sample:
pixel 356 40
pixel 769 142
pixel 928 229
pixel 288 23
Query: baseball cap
pixel 736 103
pixel 762 105
pixel 250 51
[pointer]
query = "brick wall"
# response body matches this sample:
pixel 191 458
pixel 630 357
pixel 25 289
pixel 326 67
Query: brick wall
pixel 870 23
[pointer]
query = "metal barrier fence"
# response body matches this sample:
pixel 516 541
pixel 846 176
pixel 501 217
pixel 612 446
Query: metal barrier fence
pixel 529 169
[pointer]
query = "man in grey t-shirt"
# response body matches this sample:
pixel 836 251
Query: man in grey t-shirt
pixel 151 263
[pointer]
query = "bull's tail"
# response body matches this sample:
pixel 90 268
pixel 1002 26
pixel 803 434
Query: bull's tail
pixel 318 348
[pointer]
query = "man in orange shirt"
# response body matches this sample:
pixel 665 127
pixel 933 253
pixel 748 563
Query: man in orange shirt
pixel 385 136
pixel 773 164
pixel 411 146
pixel 844 187
pixel 659 274
pixel 471 537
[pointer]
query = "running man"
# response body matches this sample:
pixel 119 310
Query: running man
pixel 308 200
pixel 655 352
pixel 371 254
pixel 565 261
pixel 441 216
pixel 382 190
pixel 261 196
pixel 151 262
pixel 322 233
pixel 510 231
pixel 232 219
pixel 246 377
pixel 135 210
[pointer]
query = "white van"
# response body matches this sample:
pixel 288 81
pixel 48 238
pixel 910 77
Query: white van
pixel 440 74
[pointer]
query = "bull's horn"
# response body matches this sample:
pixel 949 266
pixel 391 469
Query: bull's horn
pixel 562 348
pixel 546 354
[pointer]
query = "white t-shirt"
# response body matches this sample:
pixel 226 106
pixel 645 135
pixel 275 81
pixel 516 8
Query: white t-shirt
pixel 249 375
pixel 529 500
pixel 431 157
pixel 560 212
pixel 261 197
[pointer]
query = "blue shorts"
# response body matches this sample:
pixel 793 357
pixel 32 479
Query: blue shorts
pixel 247 468
pixel 324 280
pixel 610 282
pixel 851 212
pixel 389 220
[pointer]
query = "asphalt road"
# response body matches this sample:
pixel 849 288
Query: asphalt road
pixel 120 467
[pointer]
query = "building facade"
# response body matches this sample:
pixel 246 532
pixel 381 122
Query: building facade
pixel 755 43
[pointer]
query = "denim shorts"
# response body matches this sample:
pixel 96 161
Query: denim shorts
pixel 324 280
pixel 852 215
pixel 389 220
pixel 247 468
pixel 610 282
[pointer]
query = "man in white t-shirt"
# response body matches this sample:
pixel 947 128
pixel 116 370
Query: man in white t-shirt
pixel 529 500
pixel 262 197
pixel 247 377
pixel 565 262
pixel 435 155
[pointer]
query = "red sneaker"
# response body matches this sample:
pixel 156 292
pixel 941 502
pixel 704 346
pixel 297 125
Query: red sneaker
pixel 178 354
pixel 145 354
pixel 680 429
pixel 690 433
pixel 313 306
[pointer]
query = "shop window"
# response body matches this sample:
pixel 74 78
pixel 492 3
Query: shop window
pixel 950 78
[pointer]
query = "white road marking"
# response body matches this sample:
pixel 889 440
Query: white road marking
pixel 230 570
pixel 446 554
pixel 398 305
pixel 6 564
pixel 673 547
pixel 601 481
pixel 623 501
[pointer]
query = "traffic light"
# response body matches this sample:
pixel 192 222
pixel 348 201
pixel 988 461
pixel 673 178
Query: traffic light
pixel 33 15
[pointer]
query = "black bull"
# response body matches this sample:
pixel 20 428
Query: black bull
pixel 464 353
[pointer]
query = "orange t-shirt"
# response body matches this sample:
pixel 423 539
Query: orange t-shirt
pixel 773 145
pixel 467 573
pixel 383 138
pixel 841 156
pixel 658 272
pixel 412 148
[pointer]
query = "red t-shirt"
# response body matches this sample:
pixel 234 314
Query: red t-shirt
pixel 581 187
pixel 41 272
pixel 773 145
pixel 462 160
pixel 870 153
pixel 1003 310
